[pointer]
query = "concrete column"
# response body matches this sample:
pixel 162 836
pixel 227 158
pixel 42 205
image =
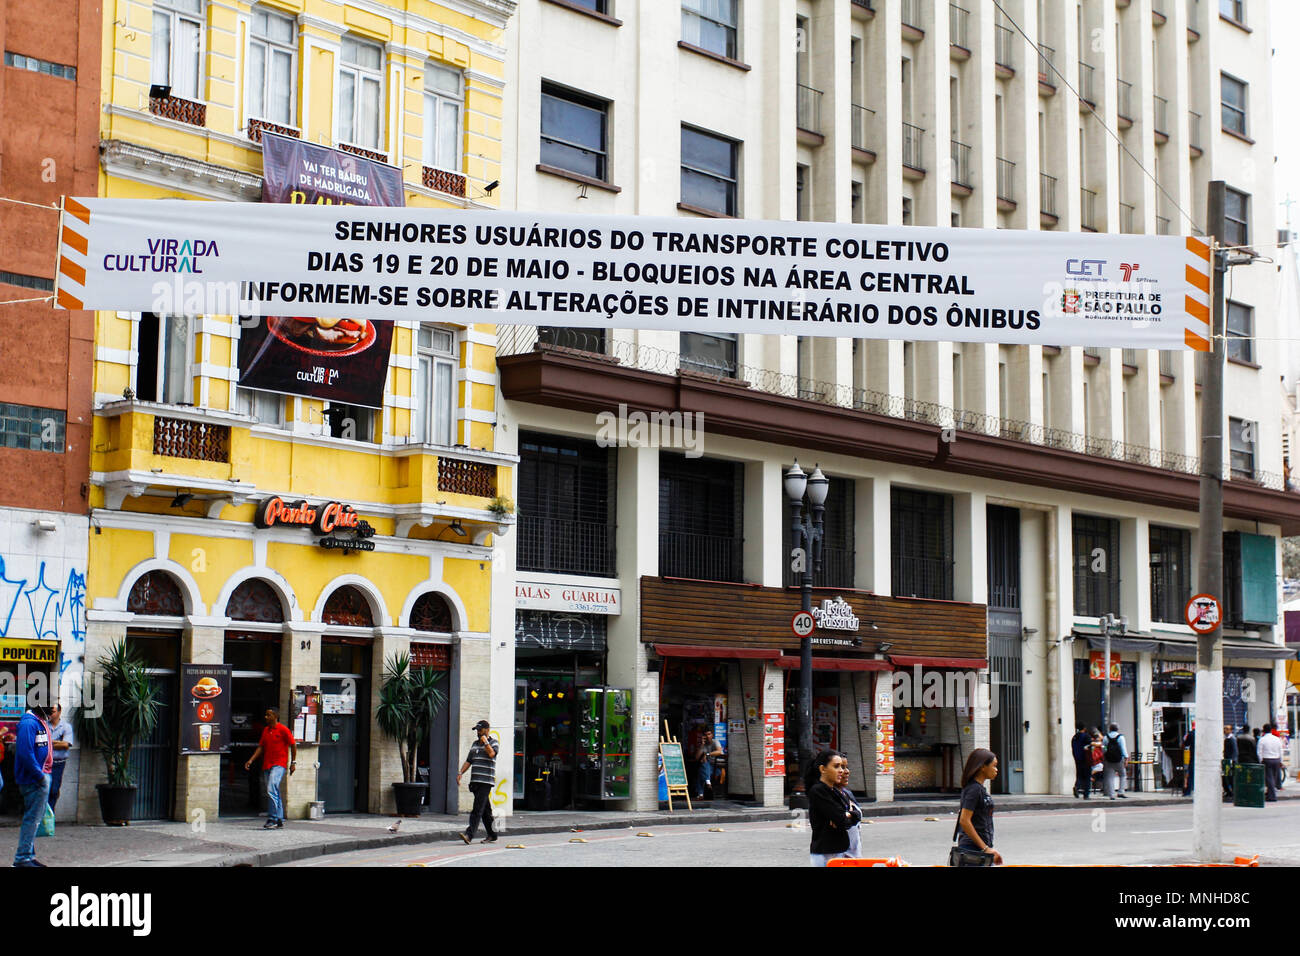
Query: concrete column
pixel 884 49
pixel 970 570
pixel 502 610
pixel 103 630
pixel 775 163
pixel 1145 735
pixel 1025 384
pixel 764 560
pixel 471 680
pixel 300 666
pixel 198 776
pixel 980 380
pixel 930 105
pixel 385 759
pixel 1035 652
pixel 871 516
pixel 832 168
pixel 1061 654
pixel 1134 572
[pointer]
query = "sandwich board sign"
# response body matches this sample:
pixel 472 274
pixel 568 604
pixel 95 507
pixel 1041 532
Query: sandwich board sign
pixel 674 768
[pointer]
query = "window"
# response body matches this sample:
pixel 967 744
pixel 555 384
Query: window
pixel 164 354
pixel 595 6
pixel 266 407
pixel 701 504
pixel 443 98
pixel 711 354
pixel 18 61
pixel 1236 212
pixel 272 52
pixel 177 53
pixel 709 171
pixel 1096 566
pixel 855 204
pixel 1233 95
pixel 1171 580
pixel 360 99
pixel 566 505
pixel 803 197
pixel 921 546
pixel 351 422
pixel 1241 331
pixel 1241 439
pixel 574 132
pixel 1233 10
pixel 907 211
pixel 433 415
pixel 837 540
pixel 711 25
pixel 37 429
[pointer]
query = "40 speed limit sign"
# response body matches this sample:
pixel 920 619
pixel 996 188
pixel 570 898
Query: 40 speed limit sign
pixel 803 624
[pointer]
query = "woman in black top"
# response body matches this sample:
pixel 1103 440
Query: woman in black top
pixel 976 821
pixel 829 814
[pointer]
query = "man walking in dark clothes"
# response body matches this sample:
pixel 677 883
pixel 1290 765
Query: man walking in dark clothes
pixel 481 761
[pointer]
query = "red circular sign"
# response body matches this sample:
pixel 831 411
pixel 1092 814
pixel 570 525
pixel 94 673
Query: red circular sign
pixel 803 624
pixel 1203 613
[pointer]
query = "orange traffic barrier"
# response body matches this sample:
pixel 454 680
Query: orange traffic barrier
pixel 852 861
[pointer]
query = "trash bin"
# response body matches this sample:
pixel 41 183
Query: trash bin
pixel 1248 785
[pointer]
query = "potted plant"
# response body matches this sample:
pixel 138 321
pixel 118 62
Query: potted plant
pixel 408 701
pixel 503 508
pixel 127 712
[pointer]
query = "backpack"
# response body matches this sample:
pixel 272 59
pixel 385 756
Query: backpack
pixel 1113 753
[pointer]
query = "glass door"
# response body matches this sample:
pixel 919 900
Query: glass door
pixel 153 760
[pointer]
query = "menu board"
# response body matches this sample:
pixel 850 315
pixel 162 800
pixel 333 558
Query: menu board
pixel 205 708
pixel 774 745
pixel 885 744
pixel 674 765
pixel 305 711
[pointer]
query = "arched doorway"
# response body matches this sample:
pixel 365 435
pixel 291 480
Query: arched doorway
pixel 345 695
pixel 157 595
pixel 252 648
pixel 431 615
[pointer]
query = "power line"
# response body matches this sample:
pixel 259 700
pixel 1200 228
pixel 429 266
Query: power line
pixel 1093 111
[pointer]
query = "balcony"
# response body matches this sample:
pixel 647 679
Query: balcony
pixel 1046 69
pixel 565 546
pixel 1087 210
pixel 705 557
pixel 186 438
pixel 912 157
pixel 1168 366
pixel 959 31
pixel 921 577
pixel 911 17
pixel 1163 226
pixel 1194 132
pixel 443 181
pixel 1006 184
pixel 1047 198
pixel 865 5
pixel 1193 21
pixel 179 109
pixel 1003 48
pixel 1127 217
pixel 363 152
pixel 961 175
pixel 1129 359
pixel 1161 118
pixel 808 112
pixel 1158 16
pixel 861 116
pixel 1124 103
pixel 1086 96
pixel 256 127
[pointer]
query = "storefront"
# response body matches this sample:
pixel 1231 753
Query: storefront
pixel 572 731
pixel 25 666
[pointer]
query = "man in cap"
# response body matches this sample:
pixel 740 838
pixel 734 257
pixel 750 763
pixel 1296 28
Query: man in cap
pixel 481 761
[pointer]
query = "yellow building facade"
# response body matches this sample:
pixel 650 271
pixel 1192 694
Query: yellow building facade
pixel 184 461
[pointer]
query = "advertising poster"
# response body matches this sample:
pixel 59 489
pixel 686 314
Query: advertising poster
pixel 885 744
pixel 774 745
pixel 205 708
pixel 1097 665
pixel 826 723
pixel 342 360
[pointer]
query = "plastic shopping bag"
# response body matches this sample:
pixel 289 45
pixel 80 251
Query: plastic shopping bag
pixel 47 823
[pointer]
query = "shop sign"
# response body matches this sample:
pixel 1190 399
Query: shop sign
pixel 29 652
pixel 774 745
pixel 327 520
pixel 836 616
pixel 205 719
pixel 536 596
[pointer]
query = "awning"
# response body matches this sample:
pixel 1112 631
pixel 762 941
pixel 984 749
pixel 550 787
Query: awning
pixel 717 652
pixel 1142 645
pixel 950 663
pixel 1182 647
pixel 791 663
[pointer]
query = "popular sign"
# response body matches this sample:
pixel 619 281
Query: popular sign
pixel 704 275
pixel 325 520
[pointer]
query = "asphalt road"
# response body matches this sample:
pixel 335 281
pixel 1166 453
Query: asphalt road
pixel 1103 833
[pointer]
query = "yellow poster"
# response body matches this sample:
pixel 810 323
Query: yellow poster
pixel 29 652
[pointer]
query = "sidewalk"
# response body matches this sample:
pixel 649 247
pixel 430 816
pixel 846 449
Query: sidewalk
pixel 243 842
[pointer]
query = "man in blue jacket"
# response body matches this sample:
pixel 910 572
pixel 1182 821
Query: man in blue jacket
pixel 33 762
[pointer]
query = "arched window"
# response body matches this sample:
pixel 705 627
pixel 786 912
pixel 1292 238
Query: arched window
pixel 431 613
pixel 348 607
pixel 157 594
pixel 255 600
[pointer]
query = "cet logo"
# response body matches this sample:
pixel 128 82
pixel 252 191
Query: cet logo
pixel 1085 267
pixel 1128 268
pixel 165 256
pixel 1070 300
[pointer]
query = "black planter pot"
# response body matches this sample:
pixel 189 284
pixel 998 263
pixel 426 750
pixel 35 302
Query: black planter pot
pixel 409 797
pixel 115 803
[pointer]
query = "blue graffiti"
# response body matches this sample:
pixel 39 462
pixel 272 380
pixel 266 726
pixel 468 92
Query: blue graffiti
pixel 53 614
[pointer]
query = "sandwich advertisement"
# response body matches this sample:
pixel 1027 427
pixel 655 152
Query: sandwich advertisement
pixel 205 708
pixel 341 360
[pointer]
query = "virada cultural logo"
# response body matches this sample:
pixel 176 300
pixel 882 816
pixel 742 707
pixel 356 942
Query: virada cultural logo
pixel 165 254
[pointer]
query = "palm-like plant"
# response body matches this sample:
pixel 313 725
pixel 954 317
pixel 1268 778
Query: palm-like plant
pixel 408 701
pixel 127 712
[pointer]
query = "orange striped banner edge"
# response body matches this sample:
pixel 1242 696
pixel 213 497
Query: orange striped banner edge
pixel 1194 341
pixel 68 302
pixel 1198 279
pixel 1198 311
pixel 72 270
pixel 82 213
pixel 1198 248
pixel 75 241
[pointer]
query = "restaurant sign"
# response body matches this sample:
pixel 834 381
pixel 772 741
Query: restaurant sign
pixel 836 615
pixel 339 526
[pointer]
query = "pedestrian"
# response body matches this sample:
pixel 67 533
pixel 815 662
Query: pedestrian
pixel 1229 759
pixel 845 794
pixel 62 740
pixel 1270 754
pixel 1097 755
pixel 707 753
pixel 1247 752
pixel 828 815
pixel 275 748
pixel 33 762
pixel 482 760
pixel 974 830
pixel 1116 756
pixel 1189 761
pixel 1080 747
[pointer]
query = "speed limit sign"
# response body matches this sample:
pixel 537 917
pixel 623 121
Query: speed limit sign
pixel 802 624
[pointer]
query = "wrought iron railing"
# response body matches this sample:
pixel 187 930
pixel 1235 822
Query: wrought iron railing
pixel 706 557
pixel 921 577
pixel 809 109
pixel 1047 194
pixel 1161 121
pixel 565 546
pixel 1087 208
pixel 1003 46
pixel 1193 129
pixel 1168 364
pixel 959 26
pixel 1129 357
pixel 911 14
pixel 1163 226
pixel 1124 103
pixel 1006 180
pixel 1046 64
pixel 912 138
pixel 1085 82
pixel 961 164
pixel 1127 215
pixel 861 115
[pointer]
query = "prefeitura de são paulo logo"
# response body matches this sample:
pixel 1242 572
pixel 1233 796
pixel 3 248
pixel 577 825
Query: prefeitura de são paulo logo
pixel 165 255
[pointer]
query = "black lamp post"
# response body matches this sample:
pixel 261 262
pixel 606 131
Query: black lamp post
pixel 807 535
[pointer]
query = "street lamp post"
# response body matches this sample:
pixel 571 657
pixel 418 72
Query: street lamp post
pixel 1109 624
pixel 806 541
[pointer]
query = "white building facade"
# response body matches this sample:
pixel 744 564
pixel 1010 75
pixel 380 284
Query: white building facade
pixel 1037 489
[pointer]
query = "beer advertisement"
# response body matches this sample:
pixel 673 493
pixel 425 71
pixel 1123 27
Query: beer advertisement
pixel 205 708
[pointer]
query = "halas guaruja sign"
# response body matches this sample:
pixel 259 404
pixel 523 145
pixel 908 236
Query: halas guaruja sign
pixel 711 275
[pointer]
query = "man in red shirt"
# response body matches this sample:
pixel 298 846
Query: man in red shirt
pixel 274 748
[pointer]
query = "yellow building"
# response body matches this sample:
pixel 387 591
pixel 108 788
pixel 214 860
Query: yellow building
pixel 184 461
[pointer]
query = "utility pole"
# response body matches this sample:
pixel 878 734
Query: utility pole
pixel 1207 804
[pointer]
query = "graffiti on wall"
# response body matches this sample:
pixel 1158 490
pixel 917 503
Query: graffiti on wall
pixel 33 607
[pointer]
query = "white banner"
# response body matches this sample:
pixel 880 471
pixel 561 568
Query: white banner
pixel 704 275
